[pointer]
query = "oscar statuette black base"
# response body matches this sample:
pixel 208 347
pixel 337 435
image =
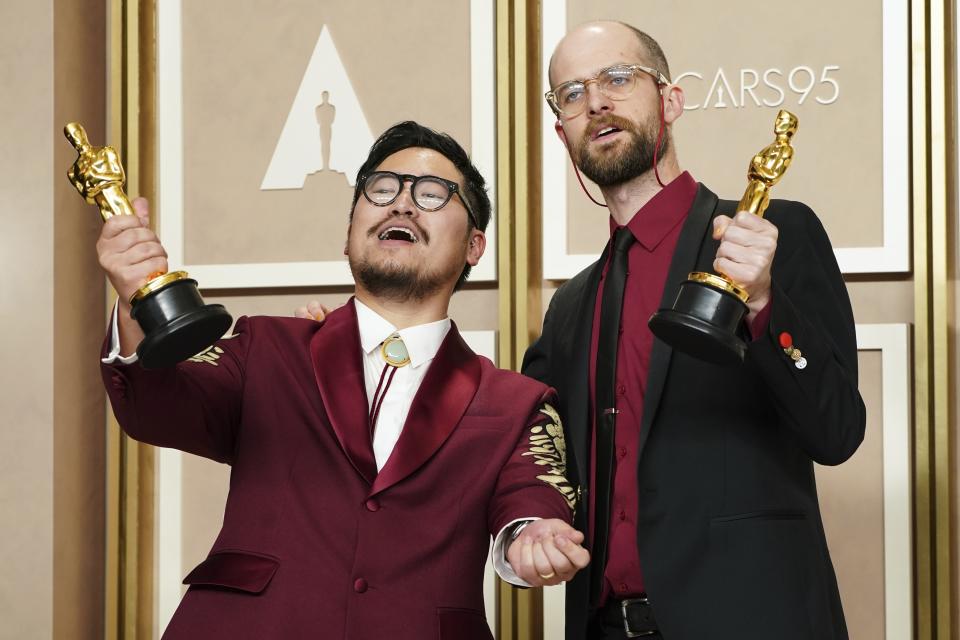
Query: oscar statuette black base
pixel 177 324
pixel 703 323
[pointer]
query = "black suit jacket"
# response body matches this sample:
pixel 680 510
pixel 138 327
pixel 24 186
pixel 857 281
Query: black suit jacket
pixel 729 530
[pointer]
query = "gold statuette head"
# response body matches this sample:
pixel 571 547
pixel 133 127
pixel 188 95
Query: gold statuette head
pixel 97 174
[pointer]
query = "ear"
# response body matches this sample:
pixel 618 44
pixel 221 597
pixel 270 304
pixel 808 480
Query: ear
pixel 673 101
pixel 560 132
pixel 475 246
pixel 346 243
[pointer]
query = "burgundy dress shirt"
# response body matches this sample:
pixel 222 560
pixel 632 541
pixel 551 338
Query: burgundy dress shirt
pixel 656 228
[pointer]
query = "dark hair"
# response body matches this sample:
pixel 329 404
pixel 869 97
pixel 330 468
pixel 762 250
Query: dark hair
pixel 405 135
pixel 651 47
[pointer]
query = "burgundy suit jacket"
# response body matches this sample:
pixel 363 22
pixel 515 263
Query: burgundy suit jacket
pixel 315 543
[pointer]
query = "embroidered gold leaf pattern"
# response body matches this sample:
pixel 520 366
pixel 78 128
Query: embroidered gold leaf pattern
pixel 210 355
pixel 549 449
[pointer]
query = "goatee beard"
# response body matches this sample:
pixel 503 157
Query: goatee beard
pixel 395 282
pixel 633 161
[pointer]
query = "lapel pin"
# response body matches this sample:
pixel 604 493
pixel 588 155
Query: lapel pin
pixel 786 343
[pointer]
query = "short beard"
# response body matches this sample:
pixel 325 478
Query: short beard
pixel 395 282
pixel 632 162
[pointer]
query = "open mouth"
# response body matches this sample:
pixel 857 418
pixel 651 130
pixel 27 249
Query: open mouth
pixel 605 132
pixel 398 233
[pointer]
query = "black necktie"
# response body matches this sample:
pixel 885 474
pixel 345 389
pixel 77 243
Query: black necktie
pixel 611 304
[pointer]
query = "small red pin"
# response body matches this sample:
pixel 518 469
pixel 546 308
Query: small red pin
pixel 786 342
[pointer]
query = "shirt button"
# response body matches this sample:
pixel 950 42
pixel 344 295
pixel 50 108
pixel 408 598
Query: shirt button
pixel 623 587
pixel 372 505
pixel 622 451
pixel 360 585
pixel 623 515
pixel 621 389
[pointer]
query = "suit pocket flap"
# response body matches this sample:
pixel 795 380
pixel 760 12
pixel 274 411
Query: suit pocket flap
pixel 240 570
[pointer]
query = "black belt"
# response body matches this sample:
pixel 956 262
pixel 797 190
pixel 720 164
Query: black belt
pixel 633 615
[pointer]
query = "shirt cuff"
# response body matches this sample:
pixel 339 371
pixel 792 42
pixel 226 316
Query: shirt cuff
pixel 499 554
pixel 114 356
pixel 759 325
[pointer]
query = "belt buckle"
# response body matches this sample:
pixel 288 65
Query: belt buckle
pixel 629 632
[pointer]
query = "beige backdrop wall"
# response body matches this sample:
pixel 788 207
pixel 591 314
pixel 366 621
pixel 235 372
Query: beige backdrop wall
pixel 231 207
pixel 52 506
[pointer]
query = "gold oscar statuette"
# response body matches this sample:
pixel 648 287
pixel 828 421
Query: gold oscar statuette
pixel 710 308
pixel 176 322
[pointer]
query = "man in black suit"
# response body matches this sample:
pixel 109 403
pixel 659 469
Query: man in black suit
pixel 702 507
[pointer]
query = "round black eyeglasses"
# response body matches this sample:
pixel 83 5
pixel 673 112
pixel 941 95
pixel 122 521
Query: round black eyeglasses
pixel 430 193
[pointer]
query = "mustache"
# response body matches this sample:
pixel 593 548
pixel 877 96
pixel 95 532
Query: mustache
pixel 377 229
pixel 609 121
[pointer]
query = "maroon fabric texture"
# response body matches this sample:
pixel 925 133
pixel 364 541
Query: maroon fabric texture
pixel 357 554
pixel 462 624
pixel 656 228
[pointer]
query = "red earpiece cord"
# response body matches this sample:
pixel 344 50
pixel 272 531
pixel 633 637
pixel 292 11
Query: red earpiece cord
pixel 656 149
pixel 582 186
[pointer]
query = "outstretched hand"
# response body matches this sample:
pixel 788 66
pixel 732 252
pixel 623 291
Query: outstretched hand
pixel 547 552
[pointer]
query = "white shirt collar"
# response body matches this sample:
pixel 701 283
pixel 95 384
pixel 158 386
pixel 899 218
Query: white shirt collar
pixel 422 341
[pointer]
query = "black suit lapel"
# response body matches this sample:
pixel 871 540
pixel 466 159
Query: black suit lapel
pixel 693 236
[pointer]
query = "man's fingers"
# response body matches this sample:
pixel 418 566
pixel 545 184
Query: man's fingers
pixel 724 226
pixel 116 225
pixel 143 252
pixel 125 239
pixel 316 310
pixel 561 528
pixel 742 255
pixel 720 224
pixel 312 311
pixel 142 208
pixel 560 563
pixel 526 554
pixel 577 555
pixel 544 568
pixel 573 535
pixel 748 220
pixel 143 270
pixel 762 240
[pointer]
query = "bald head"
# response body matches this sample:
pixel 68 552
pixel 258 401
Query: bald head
pixel 616 41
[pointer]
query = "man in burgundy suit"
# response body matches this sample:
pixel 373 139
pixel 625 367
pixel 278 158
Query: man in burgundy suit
pixel 372 455
pixel 697 480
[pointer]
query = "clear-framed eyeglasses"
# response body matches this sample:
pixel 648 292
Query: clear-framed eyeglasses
pixel 430 193
pixel 617 83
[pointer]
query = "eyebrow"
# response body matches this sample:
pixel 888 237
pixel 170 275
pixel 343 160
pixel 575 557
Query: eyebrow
pixel 598 70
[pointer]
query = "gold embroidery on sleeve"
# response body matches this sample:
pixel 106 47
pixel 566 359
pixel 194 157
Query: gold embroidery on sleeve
pixel 549 449
pixel 210 355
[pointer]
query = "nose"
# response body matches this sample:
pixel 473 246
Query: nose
pixel 597 101
pixel 404 205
